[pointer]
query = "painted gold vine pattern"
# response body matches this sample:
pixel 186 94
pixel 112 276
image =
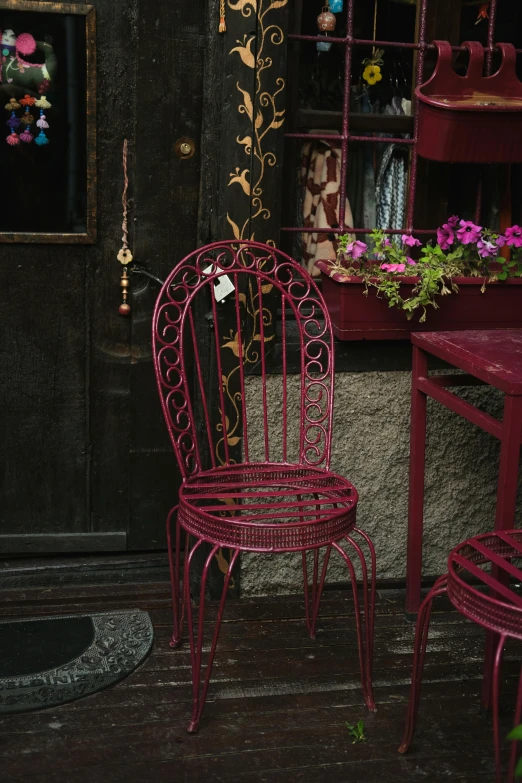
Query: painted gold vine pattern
pixel 267 118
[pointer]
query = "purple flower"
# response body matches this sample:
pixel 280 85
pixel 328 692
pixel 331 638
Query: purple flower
pixel 514 236
pixel 453 221
pixel 410 261
pixel 469 233
pixel 386 243
pixel 407 239
pixel 356 249
pixel 445 236
pixel 500 240
pixel 486 249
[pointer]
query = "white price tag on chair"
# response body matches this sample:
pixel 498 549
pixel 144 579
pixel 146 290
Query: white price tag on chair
pixel 223 286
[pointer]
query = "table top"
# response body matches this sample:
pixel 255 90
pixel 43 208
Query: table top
pixel 493 355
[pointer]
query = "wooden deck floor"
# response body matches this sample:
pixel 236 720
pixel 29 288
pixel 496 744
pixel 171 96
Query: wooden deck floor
pixel 277 706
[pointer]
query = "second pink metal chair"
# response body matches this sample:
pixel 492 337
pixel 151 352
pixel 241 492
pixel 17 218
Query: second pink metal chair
pixel 481 584
pixel 284 498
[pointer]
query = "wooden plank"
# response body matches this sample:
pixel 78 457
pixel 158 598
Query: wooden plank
pixel 63 542
pixel 311 119
pixel 109 333
pixel 165 185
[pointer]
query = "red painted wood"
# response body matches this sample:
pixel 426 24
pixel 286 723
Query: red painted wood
pixel 493 356
pixel 471 118
pixel 356 316
pixel 416 486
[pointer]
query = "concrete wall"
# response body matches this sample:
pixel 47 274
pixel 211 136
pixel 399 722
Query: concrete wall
pixel 371 448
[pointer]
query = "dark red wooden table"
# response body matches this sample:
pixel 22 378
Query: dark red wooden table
pixel 487 357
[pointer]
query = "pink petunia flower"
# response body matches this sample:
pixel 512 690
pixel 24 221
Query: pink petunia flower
pixel 356 249
pixel 486 249
pixel 453 221
pixel 407 239
pixel 445 236
pixel 469 233
pixel 393 267
pixel 500 240
pixel 514 236
pixel 410 261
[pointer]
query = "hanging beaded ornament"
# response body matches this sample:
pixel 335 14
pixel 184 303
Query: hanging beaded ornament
pixel 222 22
pixel 326 23
pixel 41 139
pixel 336 6
pixel 42 122
pixel 27 101
pixel 43 103
pixel 27 118
pixel 13 121
pixel 13 105
pixel 125 255
pixel 13 138
pixel 26 136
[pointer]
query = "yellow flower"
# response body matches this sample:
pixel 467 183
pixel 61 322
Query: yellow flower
pixel 372 74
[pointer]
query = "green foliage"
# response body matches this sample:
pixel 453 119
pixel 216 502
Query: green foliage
pixel 516 734
pixel 385 264
pixel 356 731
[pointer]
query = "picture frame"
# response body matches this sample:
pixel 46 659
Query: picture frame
pixel 48 53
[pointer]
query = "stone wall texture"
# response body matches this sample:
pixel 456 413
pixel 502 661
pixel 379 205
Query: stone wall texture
pixel 371 448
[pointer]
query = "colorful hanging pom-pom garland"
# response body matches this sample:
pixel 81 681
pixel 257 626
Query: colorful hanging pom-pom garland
pixel 43 103
pixel 41 139
pixel 26 136
pixel 27 120
pixel 13 138
pixel 13 121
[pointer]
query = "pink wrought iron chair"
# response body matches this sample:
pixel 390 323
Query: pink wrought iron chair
pixel 494 561
pixel 284 499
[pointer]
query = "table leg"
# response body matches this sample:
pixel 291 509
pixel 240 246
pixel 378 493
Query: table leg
pixel 416 487
pixel 506 506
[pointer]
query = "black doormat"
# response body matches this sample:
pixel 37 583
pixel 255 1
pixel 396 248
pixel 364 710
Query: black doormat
pixel 47 661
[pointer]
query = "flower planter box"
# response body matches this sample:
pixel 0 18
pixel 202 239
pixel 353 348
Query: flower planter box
pixel 359 317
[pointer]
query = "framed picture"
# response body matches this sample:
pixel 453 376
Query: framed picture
pixel 48 112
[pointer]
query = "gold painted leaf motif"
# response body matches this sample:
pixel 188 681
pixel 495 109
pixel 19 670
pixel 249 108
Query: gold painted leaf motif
pixel 241 179
pixel 235 227
pixel 245 51
pixel 245 6
pixel 246 107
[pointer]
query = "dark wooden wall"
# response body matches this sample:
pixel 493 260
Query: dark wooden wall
pixel 85 463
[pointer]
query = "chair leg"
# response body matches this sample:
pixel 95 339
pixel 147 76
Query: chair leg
pixel 495 700
pixel 369 601
pixel 199 693
pixel 312 603
pixel 421 639
pixel 365 645
pixel 517 722
pixel 174 567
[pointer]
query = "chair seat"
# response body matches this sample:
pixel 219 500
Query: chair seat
pixel 493 563
pixel 268 507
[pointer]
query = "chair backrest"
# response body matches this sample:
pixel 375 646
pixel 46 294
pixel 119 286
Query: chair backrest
pixel 294 420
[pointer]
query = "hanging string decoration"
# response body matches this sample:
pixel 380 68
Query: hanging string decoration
pixel 372 65
pixel 222 21
pixel 125 255
pixel 326 22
